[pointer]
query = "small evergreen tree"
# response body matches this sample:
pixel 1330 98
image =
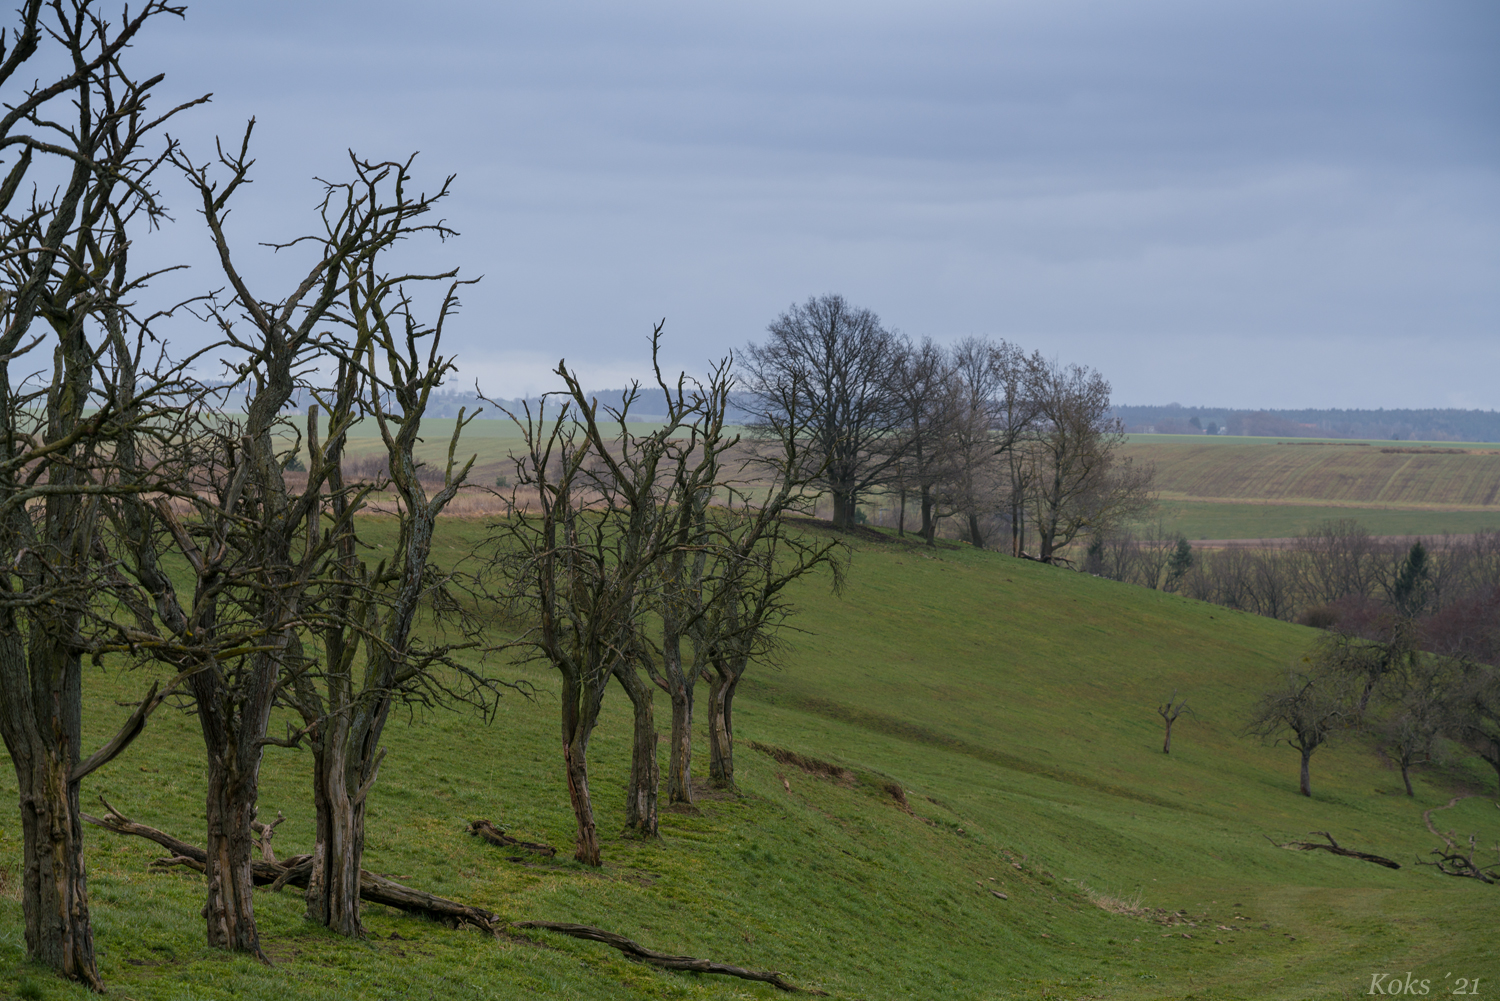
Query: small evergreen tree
pixel 1409 590
pixel 1179 563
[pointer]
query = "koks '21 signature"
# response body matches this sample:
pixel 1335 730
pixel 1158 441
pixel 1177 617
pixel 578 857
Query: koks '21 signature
pixel 1392 984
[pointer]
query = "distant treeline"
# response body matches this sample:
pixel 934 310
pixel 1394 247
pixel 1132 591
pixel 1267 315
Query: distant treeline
pixel 1393 425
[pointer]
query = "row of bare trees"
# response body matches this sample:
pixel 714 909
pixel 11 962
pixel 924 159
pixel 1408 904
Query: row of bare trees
pixel 981 432
pixel 146 521
pixel 654 559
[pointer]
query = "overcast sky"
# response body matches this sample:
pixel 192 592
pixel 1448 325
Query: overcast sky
pixel 1245 204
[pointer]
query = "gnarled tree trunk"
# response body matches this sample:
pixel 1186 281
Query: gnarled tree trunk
pixel 578 719
pixel 680 760
pixel 721 728
pixel 44 749
pixel 234 724
pixel 645 774
pixel 338 850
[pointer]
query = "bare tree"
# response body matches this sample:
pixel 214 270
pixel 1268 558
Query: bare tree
pixel 922 384
pixel 1304 713
pixel 1420 712
pixel 1115 555
pixel 683 572
pixel 1169 714
pixel 1080 482
pixel 578 554
pixel 1337 559
pixel 996 413
pixel 757 554
pixel 389 366
pixel 253 547
pixel 1474 709
pixel 66 286
pixel 1271 585
pixel 831 362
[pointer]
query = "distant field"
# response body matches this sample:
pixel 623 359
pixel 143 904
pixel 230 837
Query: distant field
pixel 1373 474
pixel 1211 487
pixel 1262 520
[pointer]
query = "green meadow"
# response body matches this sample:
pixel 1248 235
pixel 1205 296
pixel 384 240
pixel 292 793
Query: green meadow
pixel 1042 846
pixel 1197 520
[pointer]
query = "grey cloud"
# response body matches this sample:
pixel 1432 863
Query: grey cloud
pixel 1130 184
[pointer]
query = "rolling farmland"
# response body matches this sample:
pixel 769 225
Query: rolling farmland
pixel 1374 474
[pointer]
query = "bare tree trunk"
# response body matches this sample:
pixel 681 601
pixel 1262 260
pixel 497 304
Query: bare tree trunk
pixel 230 908
pixel 338 853
pixel 233 724
pixel 975 535
pixel 901 520
pixel 721 730
pixel 680 760
pixel 54 884
pixel 1306 778
pixel 929 526
pixel 316 895
pixel 575 761
pixel 1017 525
pixel 645 774
pixel 1406 778
pixel 843 509
pixel 1166 746
pixel 580 713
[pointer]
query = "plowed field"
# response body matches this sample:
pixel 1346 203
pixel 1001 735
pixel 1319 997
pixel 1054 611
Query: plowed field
pixel 1377 474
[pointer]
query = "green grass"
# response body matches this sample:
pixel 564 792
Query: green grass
pixel 1263 520
pixel 1014 703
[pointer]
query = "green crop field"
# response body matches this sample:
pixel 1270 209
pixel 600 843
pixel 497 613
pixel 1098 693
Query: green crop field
pixel 1014 705
pixel 1197 520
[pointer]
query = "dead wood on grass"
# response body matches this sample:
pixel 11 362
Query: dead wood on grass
pixel 296 871
pixel 637 951
pixel 1334 848
pixel 495 836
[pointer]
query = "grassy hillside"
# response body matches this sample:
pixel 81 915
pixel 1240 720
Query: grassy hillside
pixel 1014 705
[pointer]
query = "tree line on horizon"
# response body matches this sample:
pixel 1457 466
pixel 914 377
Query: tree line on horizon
pixel 1430 424
pixel 980 432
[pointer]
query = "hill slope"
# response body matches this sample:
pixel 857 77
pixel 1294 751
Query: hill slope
pixel 1012 703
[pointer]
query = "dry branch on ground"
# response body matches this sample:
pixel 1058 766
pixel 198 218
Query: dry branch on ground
pixel 296 871
pixel 637 951
pixel 495 836
pixel 1334 848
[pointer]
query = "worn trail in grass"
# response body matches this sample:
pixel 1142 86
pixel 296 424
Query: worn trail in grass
pixel 1014 706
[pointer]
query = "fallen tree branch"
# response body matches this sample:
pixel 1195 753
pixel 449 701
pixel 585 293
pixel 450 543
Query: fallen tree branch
pixel 297 871
pixel 637 951
pixel 1334 848
pixel 489 832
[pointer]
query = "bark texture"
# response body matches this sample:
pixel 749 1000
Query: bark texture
pixel 643 789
